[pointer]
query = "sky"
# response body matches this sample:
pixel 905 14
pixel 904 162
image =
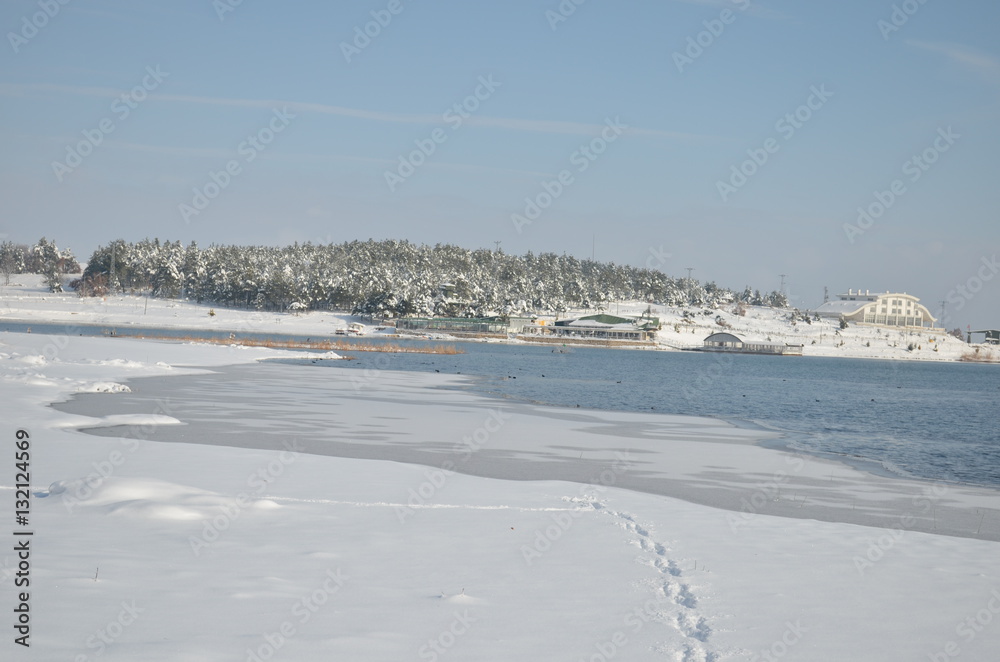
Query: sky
pixel 848 144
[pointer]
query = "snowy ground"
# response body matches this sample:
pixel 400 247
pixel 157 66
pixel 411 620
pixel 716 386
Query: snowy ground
pixel 818 338
pixel 27 299
pixel 157 551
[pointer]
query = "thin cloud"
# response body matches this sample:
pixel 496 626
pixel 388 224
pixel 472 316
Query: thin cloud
pixel 216 153
pixel 169 150
pixel 512 124
pixel 747 6
pixel 976 61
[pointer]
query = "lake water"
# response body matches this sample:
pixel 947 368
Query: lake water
pixel 935 421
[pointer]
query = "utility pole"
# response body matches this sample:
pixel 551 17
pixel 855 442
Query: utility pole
pixel 782 288
pixel 111 285
pixel 689 270
pixel 943 303
pixel 497 245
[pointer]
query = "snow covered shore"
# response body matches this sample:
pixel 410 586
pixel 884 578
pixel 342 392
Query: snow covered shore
pixel 161 551
pixel 27 300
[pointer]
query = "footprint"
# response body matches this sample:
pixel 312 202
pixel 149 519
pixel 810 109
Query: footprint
pixel 686 618
pixel 693 626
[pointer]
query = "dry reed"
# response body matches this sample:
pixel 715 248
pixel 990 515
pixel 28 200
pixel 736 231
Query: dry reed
pixel 322 345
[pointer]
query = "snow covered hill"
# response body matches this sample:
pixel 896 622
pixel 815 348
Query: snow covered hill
pixel 28 299
pixel 819 338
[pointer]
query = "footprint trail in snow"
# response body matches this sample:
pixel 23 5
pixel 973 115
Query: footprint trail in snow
pixel 677 604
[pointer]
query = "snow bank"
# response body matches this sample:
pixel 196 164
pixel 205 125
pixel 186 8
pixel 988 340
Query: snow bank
pixel 103 387
pixel 30 302
pixel 159 551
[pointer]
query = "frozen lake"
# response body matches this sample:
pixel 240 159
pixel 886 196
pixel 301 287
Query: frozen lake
pixel 373 413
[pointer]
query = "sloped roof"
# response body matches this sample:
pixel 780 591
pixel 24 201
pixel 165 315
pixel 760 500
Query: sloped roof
pixel 723 337
pixel 842 307
pixel 601 319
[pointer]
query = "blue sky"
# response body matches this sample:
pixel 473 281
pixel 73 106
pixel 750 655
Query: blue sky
pixel 211 82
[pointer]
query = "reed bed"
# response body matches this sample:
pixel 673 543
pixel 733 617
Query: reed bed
pixel 989 355
pixel 321 345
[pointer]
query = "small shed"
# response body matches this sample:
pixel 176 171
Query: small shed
pixel 729 342
pixel 990 336
pixel 724 340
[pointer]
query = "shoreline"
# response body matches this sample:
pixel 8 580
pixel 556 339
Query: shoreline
pixel 783 441
pixel 873 466
pixel 169 524
pixel 752 477
pixel 254 325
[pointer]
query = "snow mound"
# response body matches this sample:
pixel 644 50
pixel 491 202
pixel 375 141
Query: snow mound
pixel 36 380
pixel 103 387
pixel 118 488
pixel 461 598
pixel 143 499
pixel 128 419
pixel 30 359
pixel 149 510
pixel 123 363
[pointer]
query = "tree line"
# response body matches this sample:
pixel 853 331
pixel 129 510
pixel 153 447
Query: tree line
pixel 389 278
pixel 43 258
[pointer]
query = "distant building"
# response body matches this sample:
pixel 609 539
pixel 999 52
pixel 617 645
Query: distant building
pixel 470 325
pixel 602 327
pixel 729 342
pixel 990 336
pixel 493 325
pixel 888 309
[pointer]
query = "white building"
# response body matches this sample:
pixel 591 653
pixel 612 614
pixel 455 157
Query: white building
pixel 888 309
